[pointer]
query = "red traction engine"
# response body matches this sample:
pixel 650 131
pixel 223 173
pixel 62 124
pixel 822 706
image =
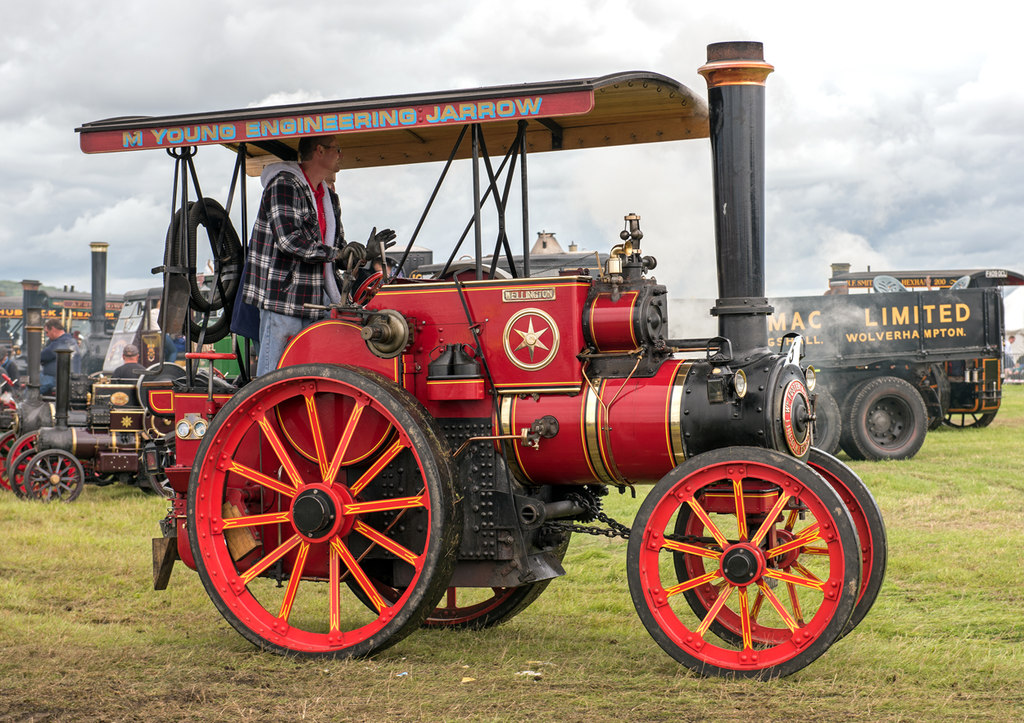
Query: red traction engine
pixel 423 459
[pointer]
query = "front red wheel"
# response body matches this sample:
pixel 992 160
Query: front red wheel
pixel 313 479
pixel 767 548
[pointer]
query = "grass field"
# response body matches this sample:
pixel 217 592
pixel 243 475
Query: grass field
pixel 84 637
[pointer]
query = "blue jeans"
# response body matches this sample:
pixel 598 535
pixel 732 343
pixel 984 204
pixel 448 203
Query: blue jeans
pixel 276 330
pixel 47 384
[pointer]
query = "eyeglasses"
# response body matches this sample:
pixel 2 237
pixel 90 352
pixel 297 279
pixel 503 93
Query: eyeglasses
pixel 336 149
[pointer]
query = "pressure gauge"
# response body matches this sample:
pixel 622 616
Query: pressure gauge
pixel 183 429
pixel 811 378
pixel 199 428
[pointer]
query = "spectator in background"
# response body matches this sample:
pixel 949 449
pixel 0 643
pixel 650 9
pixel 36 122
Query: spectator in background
pixel 59 338
pixel 10 370
pixel 130 369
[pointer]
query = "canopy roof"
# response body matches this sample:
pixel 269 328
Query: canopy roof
pixel 617 109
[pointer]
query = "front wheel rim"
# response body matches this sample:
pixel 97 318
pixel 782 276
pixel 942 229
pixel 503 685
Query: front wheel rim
pixel 784 616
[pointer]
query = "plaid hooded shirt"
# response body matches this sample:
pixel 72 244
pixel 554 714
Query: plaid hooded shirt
pixel 285 262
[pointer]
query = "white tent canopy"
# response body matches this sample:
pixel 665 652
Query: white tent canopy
pixel 1013 316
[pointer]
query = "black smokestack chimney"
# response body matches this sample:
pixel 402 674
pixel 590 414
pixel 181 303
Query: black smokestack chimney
pixel 34 412
pixel 96 348
pixel 736 74
pixel 63 389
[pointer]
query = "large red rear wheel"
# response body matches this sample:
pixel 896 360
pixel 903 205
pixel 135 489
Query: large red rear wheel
pixel 311 479
pixel 773 551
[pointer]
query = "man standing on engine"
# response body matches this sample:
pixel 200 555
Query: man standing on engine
pixel 295 241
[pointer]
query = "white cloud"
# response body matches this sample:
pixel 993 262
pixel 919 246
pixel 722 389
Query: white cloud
pixel 894 136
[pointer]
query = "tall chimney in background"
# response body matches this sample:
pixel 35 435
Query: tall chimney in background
pixel 99 340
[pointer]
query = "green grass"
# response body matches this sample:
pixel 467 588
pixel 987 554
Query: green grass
pixel 84 637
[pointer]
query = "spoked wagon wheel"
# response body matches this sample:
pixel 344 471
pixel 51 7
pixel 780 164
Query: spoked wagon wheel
pixel 969 419
pixel 867 518
pixel 21 452
pixel 6 442
pixel 54 475
pixel 773 540
pixel 312 475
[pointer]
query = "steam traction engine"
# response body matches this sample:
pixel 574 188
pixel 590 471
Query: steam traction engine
pixel 424 457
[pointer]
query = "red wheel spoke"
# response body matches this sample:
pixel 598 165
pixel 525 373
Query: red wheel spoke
pixel 253 572
pixel 334 590
pixel 777 604
pixel 711 527
pixel 385 505
pixel 769 520
pixel 813 583
pixel 794 601
pixel 360 576
pixel 346 438
pixel 369 475
pixel 693 582
pixel 280 450
pixel 745 620
pixel 293 582
pixel 264 480
pixel 811 534
pixel 399 551
pixel 317 432
pixel 269 518
pixel 758 602
pixel 805 572
pixel 692 549
pixel 715 609
pixel 741 514
pixel 791 519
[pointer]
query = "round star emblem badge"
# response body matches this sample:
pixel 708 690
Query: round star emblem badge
pixel 531 339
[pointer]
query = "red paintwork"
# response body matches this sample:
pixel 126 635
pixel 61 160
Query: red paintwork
pixel 530 333
pixel 611 323
pixel 634 436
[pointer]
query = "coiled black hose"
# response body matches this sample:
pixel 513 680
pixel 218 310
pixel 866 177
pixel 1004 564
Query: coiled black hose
pixel 227 262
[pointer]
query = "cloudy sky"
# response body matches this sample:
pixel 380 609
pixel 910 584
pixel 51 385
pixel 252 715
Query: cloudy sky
pixel 895 130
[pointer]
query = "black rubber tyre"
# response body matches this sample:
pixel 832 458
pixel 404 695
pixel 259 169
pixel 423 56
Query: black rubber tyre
pixel 885 418
pixel 828 423
pixel 226 249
